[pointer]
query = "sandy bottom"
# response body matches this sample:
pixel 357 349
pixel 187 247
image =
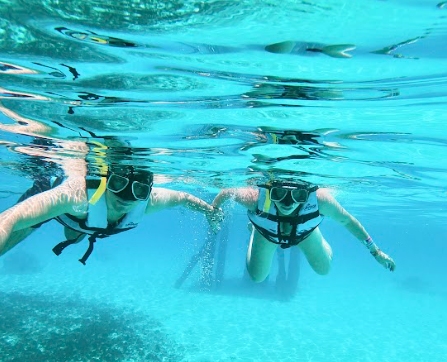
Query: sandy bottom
pixel 134 311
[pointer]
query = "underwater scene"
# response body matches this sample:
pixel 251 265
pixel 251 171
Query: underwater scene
pixel 223 181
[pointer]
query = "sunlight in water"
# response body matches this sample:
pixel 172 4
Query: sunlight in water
pixel 107 105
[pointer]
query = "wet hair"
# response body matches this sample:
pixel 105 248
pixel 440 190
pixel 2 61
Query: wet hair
pixel 133 173
pixel 291 183
pixel 121 158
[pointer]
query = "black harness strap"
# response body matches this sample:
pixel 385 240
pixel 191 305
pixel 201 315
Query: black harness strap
pixel 91 242
pixel 104 233
pixel 300 219
pixel 59 248
pixel 286 241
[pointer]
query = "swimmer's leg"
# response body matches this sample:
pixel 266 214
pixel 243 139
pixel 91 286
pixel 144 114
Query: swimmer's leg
pixel 259 256
pixel 317 251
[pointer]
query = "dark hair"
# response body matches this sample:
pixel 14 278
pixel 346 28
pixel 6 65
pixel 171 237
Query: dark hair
pixel 132 173
pixel 121 158
pixel 292 183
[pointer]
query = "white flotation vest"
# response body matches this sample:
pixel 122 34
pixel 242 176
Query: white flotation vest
pixel 96 224
pixel 267 221
pixel 96 220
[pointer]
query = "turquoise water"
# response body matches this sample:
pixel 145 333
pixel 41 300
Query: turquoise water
pixel 197 88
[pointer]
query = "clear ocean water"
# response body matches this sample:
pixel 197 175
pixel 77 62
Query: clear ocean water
pixel 197 87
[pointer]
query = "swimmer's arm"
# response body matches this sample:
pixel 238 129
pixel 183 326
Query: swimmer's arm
pixel 330 207
pixel 40 208
pixel 162 198
pixel 245 196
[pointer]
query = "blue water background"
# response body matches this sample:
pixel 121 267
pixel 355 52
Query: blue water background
pixel 188 96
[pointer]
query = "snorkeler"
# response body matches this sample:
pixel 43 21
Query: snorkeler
pixel 95 206
pixel 288 214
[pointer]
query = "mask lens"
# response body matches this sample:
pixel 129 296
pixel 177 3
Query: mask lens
pixel 140 190
pixel 299 195
pixel 117 183
pixel 277 193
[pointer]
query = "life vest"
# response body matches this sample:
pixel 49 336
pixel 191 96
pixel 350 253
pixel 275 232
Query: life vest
pixel 96 224
pixel 267 221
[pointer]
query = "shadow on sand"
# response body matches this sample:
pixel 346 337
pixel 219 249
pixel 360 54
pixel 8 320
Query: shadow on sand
pixel 48 328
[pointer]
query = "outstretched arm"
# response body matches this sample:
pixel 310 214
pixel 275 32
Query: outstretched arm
pixel 329 206
pixel 162 198
pixel 69 197
pixel 245 196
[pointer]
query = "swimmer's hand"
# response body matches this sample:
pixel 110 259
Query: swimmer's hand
pixel 215 218
pixel 384 259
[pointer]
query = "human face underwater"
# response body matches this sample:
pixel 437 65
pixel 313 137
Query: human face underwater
pixel 128 189
pixel 288 198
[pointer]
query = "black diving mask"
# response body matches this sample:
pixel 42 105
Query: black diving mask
pixel 278 194
pixel 128 188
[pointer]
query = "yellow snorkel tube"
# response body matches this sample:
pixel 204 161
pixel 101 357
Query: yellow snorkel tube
pixel 100 150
